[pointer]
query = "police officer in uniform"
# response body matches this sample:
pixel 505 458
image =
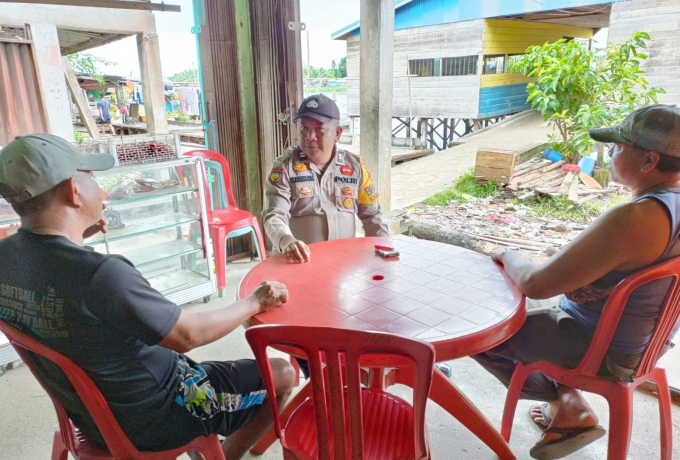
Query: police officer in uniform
pixel 315 190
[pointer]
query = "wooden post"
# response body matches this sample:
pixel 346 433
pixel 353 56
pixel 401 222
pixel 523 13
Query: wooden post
pixel 81 102
pixel 246 79
pixel 376 57
pixel 600 154
pixel 445 139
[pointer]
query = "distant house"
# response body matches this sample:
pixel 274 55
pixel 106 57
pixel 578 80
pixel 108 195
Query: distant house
pixel 452 57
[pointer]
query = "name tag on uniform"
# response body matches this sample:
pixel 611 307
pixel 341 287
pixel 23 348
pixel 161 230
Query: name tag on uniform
pixel 298 179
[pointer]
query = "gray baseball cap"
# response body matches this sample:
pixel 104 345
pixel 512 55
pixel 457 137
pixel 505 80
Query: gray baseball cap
pixel 31 165
pixel 319 107
pixel 655 127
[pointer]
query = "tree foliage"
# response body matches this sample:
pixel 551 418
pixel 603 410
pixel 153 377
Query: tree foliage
pixel 342 67
pixel 185 76
pixel 86 63
pixel 578 89
pixel 337 70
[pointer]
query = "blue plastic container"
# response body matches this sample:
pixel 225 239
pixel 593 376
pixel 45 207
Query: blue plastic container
pixel 586 164
pixel 552 155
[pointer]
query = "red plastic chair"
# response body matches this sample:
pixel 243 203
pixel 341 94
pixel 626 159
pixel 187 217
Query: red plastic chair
pixel 342 420
pixel 227 222
pixel 69 439
pixel 619 394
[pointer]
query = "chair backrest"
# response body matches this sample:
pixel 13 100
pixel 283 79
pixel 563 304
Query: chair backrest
pixel 216 181
pixel 613 310
pixel 333 356
pixel 118 443
pixel 209 155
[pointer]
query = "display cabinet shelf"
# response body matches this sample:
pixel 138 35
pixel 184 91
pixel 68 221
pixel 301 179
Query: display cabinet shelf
pixel 143 196
pixel 142 226
pixel 160 231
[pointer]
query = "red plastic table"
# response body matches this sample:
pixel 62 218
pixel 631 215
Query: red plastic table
pixel 456 299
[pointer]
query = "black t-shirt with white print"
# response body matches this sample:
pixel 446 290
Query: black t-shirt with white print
pixel 101 313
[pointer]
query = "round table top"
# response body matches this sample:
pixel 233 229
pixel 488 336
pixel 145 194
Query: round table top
pixel 457 299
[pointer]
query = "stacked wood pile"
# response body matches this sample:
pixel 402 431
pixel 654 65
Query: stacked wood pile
pixel 548 178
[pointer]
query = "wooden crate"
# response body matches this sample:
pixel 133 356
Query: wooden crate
pixel 495 164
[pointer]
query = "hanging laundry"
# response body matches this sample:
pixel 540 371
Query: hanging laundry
pixel 139 95
pixel 193 102
pixel 182 100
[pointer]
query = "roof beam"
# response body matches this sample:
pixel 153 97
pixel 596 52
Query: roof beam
pixel 92 43
pixel 120 4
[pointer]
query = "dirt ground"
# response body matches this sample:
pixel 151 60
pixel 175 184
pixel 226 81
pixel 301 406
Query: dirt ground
pixel 497 224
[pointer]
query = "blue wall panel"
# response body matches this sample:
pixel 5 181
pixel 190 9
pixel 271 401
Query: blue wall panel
pixel 502 100
pixel 421 13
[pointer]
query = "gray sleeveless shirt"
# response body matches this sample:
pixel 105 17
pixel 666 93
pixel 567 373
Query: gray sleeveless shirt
pixel 644 305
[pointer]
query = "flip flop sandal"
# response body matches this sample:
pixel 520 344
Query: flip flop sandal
pixel 544 413
pixel 572 439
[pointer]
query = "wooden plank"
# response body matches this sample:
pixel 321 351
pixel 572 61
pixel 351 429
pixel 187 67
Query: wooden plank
pixel 409 155
pixel 556 182
pixel 586 199
pixel 573 190
pixel 81 102
pixel 527 164
pixel 566 183
pixel 535 167
pixel 582 191
pixel 127 4
pixel 543 179
pixel 527 178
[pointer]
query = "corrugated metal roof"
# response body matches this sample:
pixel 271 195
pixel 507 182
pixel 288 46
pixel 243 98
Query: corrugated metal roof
pixel 421 13
pixel 19 97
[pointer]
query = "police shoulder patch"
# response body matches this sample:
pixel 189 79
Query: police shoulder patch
pixel 276 175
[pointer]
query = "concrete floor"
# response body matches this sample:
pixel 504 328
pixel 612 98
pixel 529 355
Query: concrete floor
pixel 28 420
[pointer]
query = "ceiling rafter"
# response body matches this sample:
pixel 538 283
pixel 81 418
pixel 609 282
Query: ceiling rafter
pixel 119 4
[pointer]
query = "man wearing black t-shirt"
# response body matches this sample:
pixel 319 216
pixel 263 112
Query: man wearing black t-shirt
pixel 101 313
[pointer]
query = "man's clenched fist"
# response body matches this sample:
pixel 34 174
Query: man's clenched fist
pixel 269 294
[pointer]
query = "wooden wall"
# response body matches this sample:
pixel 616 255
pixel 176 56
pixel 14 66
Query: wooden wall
pixel 514 37
pixel 661 20
pixel 453 97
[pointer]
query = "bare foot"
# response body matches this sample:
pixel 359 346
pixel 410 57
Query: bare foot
pixel 572 411
pixel 538 417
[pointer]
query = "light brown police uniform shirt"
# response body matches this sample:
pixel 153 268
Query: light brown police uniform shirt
pixel 315 205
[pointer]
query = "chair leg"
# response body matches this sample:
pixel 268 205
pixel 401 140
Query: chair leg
pixel 261 248
pixel 517 381
pixel 666 425
pixel 220 255
pixel 293 403
pixel 620 422
pixel 59 450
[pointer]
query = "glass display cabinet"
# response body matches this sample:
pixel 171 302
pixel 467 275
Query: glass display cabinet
pixel 153 214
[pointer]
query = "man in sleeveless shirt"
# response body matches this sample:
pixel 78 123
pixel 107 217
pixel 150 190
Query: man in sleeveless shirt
pixel 645 157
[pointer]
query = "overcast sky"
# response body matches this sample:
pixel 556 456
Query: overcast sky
pixel 178 44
